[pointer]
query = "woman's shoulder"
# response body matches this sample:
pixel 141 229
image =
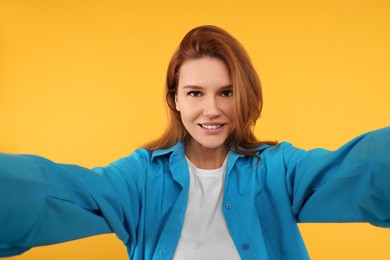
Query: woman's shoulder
pixel 145 156
pixel 277 149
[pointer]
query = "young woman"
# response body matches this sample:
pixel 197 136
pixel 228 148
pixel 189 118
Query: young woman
pixel 207 189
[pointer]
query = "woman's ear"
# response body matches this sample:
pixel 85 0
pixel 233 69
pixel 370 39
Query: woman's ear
pixel 177 103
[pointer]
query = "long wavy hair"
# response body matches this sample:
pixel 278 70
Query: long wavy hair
pixel 214 42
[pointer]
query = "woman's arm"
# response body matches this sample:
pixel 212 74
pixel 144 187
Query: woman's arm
pixel 351 184
pixel 42 202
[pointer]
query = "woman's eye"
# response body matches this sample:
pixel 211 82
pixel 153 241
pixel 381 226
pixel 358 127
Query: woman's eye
pixel 194 93
pixel 227 93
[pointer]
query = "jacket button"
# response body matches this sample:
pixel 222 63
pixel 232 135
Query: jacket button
pixel 245 246
pixel 228 206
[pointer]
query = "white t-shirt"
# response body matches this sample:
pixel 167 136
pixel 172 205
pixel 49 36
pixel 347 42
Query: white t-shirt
pixel 205 234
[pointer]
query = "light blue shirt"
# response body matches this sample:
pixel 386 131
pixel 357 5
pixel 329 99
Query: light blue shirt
pixel 143 197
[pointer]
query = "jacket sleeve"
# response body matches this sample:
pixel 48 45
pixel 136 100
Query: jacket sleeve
pixel 43 203
pixel 351 184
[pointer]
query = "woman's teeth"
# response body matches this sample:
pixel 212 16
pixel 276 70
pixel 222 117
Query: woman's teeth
pixel 211 126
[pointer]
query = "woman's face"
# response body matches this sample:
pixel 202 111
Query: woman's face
pixel 205 101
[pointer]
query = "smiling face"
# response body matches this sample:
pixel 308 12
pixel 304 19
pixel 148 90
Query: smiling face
pixel 204 99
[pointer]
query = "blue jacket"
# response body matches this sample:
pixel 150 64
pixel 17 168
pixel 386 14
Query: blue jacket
pixel 143 197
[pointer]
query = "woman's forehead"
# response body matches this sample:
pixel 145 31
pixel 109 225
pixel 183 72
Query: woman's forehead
pixel 204 72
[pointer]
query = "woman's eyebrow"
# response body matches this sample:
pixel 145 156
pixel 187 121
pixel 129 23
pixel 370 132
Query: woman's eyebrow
pixel 196 87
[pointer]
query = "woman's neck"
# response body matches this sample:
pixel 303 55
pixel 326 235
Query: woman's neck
pixel 206 158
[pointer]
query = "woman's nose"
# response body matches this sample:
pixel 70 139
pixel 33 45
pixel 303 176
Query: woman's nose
pixel 211 107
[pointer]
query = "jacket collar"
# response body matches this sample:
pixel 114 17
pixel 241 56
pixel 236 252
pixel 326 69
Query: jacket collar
pixel 179 148
pixel 177 154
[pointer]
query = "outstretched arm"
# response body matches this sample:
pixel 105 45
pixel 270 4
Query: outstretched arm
pixel 351 184
pixel 42 202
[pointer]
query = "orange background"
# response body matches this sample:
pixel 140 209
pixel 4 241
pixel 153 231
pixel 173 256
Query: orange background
pixel 81 82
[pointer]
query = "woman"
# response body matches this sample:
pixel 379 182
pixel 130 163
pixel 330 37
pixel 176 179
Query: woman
pixel 207 189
